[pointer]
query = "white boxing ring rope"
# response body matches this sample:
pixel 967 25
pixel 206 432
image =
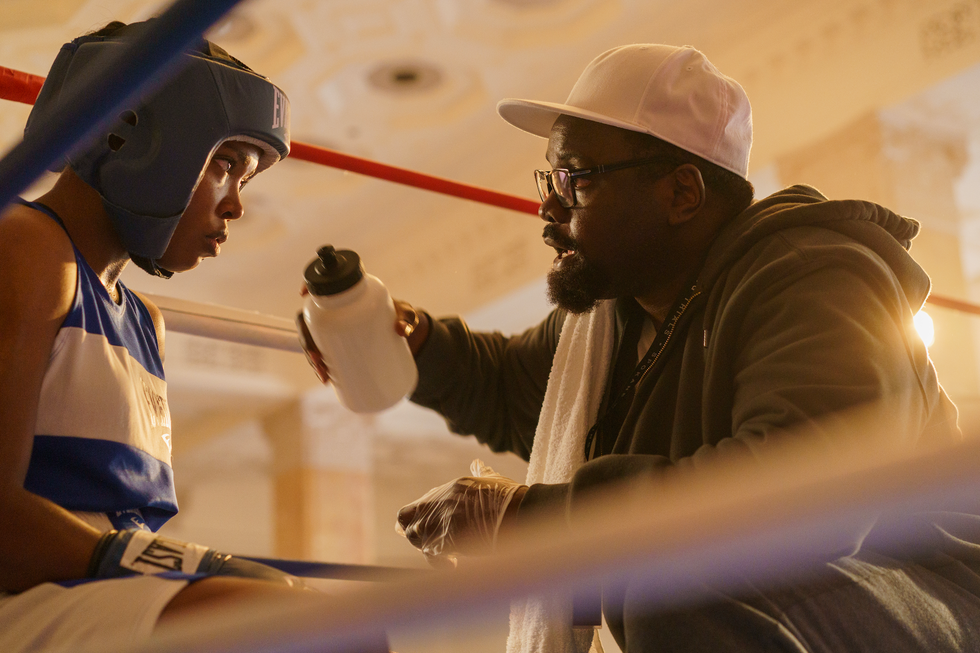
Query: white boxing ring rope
pixel 730 524
pixel 226 323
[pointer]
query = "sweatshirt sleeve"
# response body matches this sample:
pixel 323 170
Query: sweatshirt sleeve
pixel 487 384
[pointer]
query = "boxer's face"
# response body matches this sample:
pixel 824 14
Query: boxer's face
pixel 216 201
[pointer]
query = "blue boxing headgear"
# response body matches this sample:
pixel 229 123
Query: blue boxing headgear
pixel 148 165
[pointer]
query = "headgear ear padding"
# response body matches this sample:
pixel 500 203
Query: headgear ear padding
pixel 147 166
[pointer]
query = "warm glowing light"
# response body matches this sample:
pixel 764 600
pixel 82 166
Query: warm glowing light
pixel 925 327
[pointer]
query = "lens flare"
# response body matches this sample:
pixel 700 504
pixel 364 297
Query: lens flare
pixel 925 327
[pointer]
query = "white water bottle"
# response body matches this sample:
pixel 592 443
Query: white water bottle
pixel 352 320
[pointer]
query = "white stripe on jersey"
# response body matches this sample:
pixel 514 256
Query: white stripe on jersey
pixel 87 393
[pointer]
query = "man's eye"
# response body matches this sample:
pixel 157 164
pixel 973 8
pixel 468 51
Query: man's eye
pixel 581 182
pixel 224 164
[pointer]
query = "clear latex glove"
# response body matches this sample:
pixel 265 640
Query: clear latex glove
pixel 460 517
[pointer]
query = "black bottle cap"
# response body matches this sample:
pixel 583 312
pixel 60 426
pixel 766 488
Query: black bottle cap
pixel 334 271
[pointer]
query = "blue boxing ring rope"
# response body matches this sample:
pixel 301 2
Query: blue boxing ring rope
pixel 338 571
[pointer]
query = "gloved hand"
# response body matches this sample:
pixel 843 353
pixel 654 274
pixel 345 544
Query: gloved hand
pixel 133 551
pixel 460 517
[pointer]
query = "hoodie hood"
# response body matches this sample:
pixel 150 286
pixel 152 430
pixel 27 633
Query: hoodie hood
pixel 888 234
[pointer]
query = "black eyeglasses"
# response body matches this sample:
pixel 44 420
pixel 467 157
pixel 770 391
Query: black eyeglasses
pixel 559 180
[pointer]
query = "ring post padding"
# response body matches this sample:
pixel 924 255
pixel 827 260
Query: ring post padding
pixel 139 66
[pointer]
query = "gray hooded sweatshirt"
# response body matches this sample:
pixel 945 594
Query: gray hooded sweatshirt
pixel 805 309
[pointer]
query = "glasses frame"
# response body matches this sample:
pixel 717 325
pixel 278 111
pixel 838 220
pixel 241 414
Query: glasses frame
pixel 546 179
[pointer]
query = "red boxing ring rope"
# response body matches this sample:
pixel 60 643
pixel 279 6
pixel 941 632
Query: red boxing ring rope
pixel 326 157
pixel 23 87
pixel 18 86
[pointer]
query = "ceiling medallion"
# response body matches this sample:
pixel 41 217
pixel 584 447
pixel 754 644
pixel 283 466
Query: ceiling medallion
pixel 405 77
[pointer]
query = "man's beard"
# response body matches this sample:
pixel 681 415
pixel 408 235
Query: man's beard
pixel 577 286
pixel 573 290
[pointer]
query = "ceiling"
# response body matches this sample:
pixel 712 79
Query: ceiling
pixel 414 83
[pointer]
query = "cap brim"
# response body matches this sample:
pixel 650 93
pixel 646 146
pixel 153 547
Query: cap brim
pixel 539 117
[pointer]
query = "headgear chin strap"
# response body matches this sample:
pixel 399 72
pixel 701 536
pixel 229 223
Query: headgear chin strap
pixel 147 166
pixel 135 230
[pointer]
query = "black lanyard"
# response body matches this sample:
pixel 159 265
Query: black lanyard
pixel 645 365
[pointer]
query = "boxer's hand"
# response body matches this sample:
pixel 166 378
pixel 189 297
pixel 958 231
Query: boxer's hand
pixel 129 552
pixel 460 517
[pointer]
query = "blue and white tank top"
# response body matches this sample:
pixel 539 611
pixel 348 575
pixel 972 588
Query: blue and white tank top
pixel 102 438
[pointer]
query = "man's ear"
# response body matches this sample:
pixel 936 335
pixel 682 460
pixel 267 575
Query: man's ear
pixel 688 194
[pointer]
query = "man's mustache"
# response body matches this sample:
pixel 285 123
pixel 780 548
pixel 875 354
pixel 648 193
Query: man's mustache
pixel 552 232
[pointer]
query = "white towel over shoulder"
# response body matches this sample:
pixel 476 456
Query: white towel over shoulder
pixel 571 406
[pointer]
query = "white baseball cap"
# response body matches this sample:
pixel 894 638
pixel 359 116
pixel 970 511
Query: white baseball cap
pixel 673 93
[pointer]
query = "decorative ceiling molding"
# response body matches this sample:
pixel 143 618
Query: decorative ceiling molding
pixel 29 14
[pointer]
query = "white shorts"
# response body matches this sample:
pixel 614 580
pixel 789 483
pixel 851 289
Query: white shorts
pixel 114 613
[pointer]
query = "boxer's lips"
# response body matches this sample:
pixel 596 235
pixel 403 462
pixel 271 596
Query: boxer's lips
pixel 214 241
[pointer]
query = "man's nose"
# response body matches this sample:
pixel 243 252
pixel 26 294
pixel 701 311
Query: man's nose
pixel 551 209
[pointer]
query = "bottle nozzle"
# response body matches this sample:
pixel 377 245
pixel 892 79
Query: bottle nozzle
pixel 328 257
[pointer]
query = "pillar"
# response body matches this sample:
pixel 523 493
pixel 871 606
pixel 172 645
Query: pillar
pixel 324 507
